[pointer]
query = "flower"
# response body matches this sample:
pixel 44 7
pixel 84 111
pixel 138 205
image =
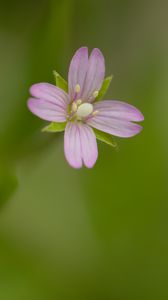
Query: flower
pixel 80 110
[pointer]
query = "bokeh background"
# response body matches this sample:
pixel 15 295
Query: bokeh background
pixel 99 234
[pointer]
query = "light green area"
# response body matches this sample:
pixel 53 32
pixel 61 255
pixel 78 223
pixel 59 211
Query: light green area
pixel 104 88
pixel 54 127
pixel 60 81
pixel 105 137
pixel 98 234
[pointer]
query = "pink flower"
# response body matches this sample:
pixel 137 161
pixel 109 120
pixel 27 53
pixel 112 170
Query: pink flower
pixel 81 112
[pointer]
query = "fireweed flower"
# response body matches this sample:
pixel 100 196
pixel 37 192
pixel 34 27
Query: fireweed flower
pixel 78 111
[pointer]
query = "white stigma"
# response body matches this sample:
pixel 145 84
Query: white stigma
pixel 77 88
pixel 84 110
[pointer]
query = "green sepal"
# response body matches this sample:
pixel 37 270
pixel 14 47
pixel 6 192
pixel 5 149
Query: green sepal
pixel 60 81
pixel 104 88
pixel 54 127
pixel 105 137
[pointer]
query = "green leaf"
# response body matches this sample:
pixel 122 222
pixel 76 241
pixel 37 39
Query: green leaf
pixel 104 88
pixel 60 81
pixel 54 127
pixel 105 137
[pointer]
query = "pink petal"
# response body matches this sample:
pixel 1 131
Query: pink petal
pixel 47 110
pixel 118 110
pixel 80 145
pixel 88 145
pixel 50 93
pixel 95 75
pixel 72 145
pixel 117 127
pixel 77 71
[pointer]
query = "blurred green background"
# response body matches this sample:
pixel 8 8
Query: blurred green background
pixel 83 234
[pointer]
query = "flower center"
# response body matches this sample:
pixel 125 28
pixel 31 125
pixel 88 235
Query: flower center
pixel 79 110
pixel 84 110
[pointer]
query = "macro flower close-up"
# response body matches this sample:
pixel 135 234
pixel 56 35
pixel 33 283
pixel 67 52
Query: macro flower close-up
pixel 83 150
pixel 80 112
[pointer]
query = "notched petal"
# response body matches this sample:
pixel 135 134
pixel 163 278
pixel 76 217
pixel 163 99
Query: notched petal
pixel 72 146
pixel 77 71
pixel 47 110
pixel 116 127
pixel 88 145
pixel 50 93
pixel 119 110
pixel 80 145
pixel 95 75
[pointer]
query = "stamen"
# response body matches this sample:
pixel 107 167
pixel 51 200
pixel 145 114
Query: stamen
pixel 95 94
pixel 95 113
pixel 74 107
pixel 77 88
pixel 78 102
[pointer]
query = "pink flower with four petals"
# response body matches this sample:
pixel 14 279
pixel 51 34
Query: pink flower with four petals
pixel 80 110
